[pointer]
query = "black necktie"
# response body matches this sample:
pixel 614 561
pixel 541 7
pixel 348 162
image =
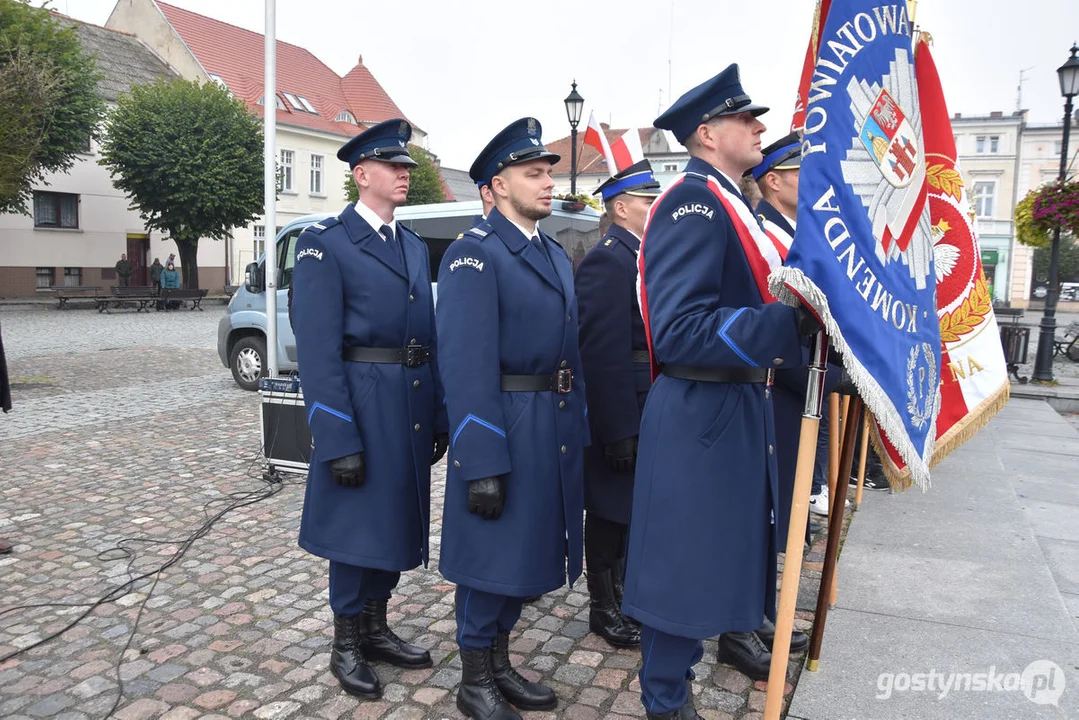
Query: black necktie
pixel 387 232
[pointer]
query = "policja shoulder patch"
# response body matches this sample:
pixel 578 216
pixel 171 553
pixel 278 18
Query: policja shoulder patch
pixel 469 262
pixel 693 209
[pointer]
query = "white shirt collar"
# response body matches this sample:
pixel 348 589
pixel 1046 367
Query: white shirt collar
pixel 524 231
pixel 372 219
pixel 790 220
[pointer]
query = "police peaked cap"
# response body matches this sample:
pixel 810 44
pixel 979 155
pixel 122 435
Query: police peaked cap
pixel 519 142
pixel 783 154
pixel 721 95
pixel 385 142
pixel 637 179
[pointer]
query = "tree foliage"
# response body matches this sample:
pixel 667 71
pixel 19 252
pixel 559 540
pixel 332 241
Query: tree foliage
pixel 424 184
pixel 49 102
pixel 1067 264
pixel 190 158
pixel 590 200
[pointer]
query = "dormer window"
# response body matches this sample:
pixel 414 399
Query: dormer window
pixel 307 105
pixel 346 117
pixel 219 81
pixel 280 103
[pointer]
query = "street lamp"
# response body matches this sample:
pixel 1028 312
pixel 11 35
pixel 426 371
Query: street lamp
pixel 574 108
pixel 1068 73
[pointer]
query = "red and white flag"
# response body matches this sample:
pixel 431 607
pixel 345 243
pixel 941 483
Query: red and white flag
pixel 806 80
pixel 595 137
pixel 627 150
pixel 974 377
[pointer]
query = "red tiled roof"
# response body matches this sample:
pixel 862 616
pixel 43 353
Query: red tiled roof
pixel 589 160
pixel 237 56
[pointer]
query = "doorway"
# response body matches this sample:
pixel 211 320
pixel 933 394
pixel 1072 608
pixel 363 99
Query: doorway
pixel 138 251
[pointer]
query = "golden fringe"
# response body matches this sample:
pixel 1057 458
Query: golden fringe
pixel 900 479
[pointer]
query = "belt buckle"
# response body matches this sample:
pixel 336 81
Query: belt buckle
pixel 771 377
pixel 563 381
pixel 415 355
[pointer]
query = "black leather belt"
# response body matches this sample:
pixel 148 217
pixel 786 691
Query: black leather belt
pixel 641 356
pixel 560 381
pixel 719 375
pixel 412 356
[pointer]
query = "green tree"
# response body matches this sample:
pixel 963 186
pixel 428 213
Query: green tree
pixel 424 184
pixel 1067 265
pixel 190 158
pixel 49 102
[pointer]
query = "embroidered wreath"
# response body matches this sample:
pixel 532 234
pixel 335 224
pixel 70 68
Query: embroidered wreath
pixel 969 315
pixel 920 416
pixel 1043 210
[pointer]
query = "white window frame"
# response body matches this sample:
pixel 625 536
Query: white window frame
pixel 259 234
pixel 994 144
pixel 39 276
pixel 346 117
pixel 293 101
pixel 307 105
pixel 318 167
pixel 287 162
pixel 980 197
pixel 670 167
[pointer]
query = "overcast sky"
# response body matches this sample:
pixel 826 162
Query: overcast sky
pixel 464 70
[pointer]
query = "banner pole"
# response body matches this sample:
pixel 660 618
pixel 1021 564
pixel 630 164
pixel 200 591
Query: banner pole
pixel 792 560
pixel 841 476
pixel 864 451
pixel 835 432
pixel 835 530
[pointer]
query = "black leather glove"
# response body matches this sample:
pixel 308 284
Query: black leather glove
pixel 846 386
pixel 486 497
pixel 442 442
pixel 808 324
pixel 348 471
pixel 622 455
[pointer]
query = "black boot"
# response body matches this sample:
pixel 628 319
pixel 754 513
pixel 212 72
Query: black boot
pixel 767 634
pixel 347 662
pixel 745 651
pixel 478 696
pixel 524 695
pixel 618 574
pixel 605 617
pixel 380 643
pixel 686 712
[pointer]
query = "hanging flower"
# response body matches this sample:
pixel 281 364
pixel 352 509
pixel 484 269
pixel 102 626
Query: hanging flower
pixel 1043 210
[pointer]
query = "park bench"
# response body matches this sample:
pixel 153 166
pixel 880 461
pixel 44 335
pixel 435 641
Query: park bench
pixel 66 294
pixel 142 295
pixel 1066 344
pixel 180 296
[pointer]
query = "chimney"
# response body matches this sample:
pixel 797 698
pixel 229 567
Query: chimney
pixel 957 116
pixel 996 114
pixel 360 60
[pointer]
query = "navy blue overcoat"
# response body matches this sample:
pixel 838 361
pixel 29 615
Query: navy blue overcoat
pixel 351 289
pixel 702 542
pixel 506 306
pixel 611 331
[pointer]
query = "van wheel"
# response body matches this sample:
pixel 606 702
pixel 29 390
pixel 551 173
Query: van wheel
pixel 248 361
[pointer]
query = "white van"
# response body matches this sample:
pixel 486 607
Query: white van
pixel 241 334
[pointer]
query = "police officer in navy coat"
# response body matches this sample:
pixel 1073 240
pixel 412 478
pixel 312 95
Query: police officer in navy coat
pixel 614 353
pixel 365 336
pixel 507 327
pixel 702 543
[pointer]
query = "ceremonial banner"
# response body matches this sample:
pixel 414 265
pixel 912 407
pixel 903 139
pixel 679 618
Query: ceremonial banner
pixel 819 16
pixel 862 258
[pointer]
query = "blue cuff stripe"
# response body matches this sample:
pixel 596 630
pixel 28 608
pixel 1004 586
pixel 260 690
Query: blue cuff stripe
pixel 472 418
pixel 331 411
pixel 727 339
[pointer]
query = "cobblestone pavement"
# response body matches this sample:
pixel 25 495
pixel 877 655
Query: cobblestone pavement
pixel 127 433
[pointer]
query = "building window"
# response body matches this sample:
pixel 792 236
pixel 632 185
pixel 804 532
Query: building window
pixel 670 167
pixel 285 172
pixel 988 144
pixel 293 101
pixel 985 194
pixel 56 210
pixel 72 277
pixel 307 105
pixel 346 117
pixel 1057 147
pixel 316 174
pixel 260 239
pixel 43 278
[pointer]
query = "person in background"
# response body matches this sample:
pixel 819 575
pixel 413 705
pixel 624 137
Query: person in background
pixel 123 270
pixel 155 274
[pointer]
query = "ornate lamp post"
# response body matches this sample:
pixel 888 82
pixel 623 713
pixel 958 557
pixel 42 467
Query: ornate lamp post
pixel 1068 74
pixel 574 108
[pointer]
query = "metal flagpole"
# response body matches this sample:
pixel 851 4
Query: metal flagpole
pixel 269 136
pixel 792 560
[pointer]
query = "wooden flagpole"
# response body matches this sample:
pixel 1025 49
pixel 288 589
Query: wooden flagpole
pixel 792 562
pixel 864 451
pixel 841 477
pixel 835 529
pixel 834 434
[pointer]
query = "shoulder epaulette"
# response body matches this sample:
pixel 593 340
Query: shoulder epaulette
pixel 479 232
pixel 696 176
pixel 323 225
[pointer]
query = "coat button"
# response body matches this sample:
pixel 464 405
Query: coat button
pixel 416 427
pixel 561 404
pixel 564 363
pixel 771 450
pixel 569 318
pixel 767 393
pixel 457 463
pixel 563 449
pixel 412 298
pixel 413 342
pixel 777 362
pixel 416 383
